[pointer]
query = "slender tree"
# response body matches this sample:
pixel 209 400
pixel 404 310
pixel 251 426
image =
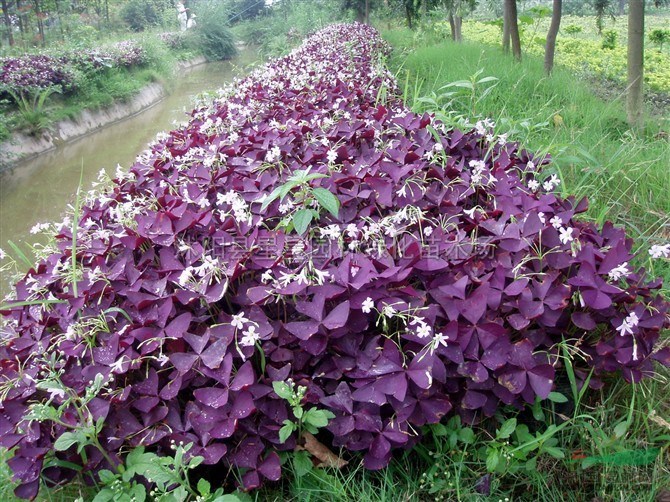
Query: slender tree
pixel 634 95
pixel 456 9
pixel 511 29
pixel 456 23
pixel 8 22
pixel 550 47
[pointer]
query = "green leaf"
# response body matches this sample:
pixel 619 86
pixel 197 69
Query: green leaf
pixel 179 494
pixel 104 495
pixel 229 497
pixel 286 431
pixel 453 439
pixel 282 389
pixel 204 487
pixel 554 452
pixel 620 430
pixel 298 412
pixel 65 441
pixel 317 418
pixel 438 430
pixel 17 250
pixel 492 460
pixel 557 397
pixel 301 220
pixel 106 477
pixel 138 493
pixel 302 463
pixel 270 198
pixel 507 429
pixel 531 465
pixel 327 200
pixel 466 435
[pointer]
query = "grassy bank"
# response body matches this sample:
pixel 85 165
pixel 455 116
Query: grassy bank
pixel 94 82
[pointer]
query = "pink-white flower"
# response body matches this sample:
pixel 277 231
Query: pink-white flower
pixel 367 305
pixel 566 234
pixel 250 337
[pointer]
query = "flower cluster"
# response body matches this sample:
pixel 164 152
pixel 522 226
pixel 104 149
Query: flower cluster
pixel 35 72
pixel 41 71
pixel 427 292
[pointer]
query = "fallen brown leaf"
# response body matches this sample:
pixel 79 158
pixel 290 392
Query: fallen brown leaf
pixel 321 452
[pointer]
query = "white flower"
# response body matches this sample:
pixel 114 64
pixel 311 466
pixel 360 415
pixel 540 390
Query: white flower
pixel 389 311
pixel 547 186
pixel 321 276
pixel 39 227
pixel 658 251
pixel 285 207
pixel 438 339
pixel 267 276
pixel 186 276
pixel 332 156
pixel 250 337
pixel 367 305
pixel 617 273
pixel 117 367
pixel 428 231
pixel 542 217
pixel 273 155
pixel 423 330
pixel 239 320
pixel 3 255
pixel 331 231
pixel 55 392
pixel 530 165
pixel 566 235
pixel 301 278
pixel 628 324
pixel 556 222
pixel 354 270
pixel 533 185
pixel 477 165
pixel 555 180
pixel 352 230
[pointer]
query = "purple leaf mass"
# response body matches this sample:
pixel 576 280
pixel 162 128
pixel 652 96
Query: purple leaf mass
pixel 443 285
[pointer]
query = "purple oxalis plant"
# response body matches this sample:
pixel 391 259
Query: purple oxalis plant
pixel 448 281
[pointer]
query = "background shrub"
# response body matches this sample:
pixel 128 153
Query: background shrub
pixel 214 38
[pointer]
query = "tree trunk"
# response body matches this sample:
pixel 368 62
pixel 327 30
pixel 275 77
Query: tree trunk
pixel 455 23
pixel 622 7
pixel 506 30
pixel 8 22
pixel 550 48
pixel 40 21
pixel 634 96
pixel 408 15
pixel 367 11
pixel 513 28
pixel 388 19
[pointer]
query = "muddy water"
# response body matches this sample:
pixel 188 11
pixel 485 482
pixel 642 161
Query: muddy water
pixel 40 190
